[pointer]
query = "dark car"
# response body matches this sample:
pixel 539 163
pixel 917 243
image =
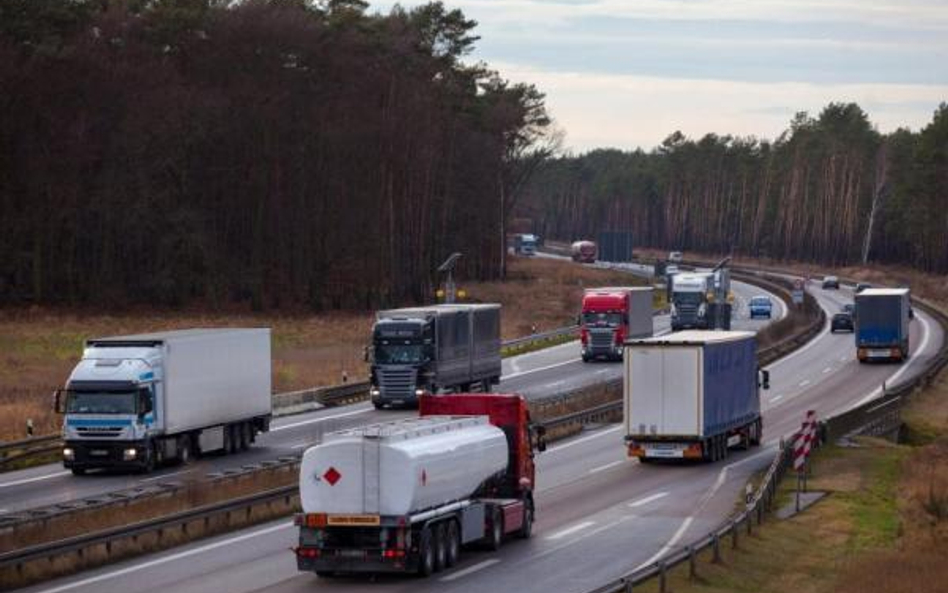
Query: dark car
pixel 831 282
pixel 849 308
pixel 862 286
pixel 842 322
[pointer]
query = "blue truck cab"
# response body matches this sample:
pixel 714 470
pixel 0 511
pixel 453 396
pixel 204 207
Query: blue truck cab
pixel 882 324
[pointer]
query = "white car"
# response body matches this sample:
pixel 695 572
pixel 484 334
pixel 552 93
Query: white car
pixel 675 256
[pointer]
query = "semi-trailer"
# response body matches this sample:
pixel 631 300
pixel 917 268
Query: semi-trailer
pixel 882 319
pixel 612 315
pixel 692 395
pixel 433 349
pixel 139 400
pixel 407 495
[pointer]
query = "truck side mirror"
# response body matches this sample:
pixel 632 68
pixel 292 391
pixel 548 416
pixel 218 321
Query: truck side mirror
pixel 365 354
pixel 59 402
pixel 144 403
pixel 541 437
pixel 766 377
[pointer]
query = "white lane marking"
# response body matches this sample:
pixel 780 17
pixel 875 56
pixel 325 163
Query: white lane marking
pixel 722 475
pixel 300 445
pixel 571 530
pixel 843 358
pixel 647 499
pixel 556 383
pixel 576 540
pixel 804 383
pixel 603 468
pixel 321 419
pixel 167 559
pixel 805 347
pixel 905 367
pixel 163 476
pixel 776 398
pixel 584 439
pixel 470 569
pixel 31 480
pixel 538 369
pixel 827 370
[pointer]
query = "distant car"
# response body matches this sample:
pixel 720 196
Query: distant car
pixel 760 306
pixel 862 286
pixel 842 322
pixel 831 282
pixel 850 309
pixel 675 256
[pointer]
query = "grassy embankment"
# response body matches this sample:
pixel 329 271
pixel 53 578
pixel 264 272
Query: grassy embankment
pixel 39 347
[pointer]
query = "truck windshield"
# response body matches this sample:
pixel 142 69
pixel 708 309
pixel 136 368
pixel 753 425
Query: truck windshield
pixel 597 318
pixel 399 353
pixel 688 297
pixel 101 402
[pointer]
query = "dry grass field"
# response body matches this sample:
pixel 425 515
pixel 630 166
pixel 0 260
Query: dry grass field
pixel 38 347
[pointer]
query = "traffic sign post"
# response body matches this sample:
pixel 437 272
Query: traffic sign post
pixel 797 293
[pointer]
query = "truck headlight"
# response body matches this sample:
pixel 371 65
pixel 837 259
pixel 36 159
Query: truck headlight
pixel 69 453
pixel 419 392
pixel 374 392
pixel 672 309
pixel 702 309
pixel 129 454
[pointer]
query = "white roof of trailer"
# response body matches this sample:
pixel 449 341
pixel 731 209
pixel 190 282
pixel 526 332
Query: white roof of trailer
pixel 695 337
pixel 884 292
pixel 180 334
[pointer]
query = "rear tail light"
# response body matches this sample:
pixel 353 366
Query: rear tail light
pixel 307 552
pixel 693 450
pixel 393 553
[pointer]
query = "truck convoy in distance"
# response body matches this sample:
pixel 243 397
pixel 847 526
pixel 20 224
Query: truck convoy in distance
pixel 692 395
pixel 612 315
pixel 700 299
pixel 431 349
pixel 137 401
pixel 882 319
pixel 405 496
pixel 583 252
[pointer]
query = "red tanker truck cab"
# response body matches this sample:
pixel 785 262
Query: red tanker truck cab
pixel 610 316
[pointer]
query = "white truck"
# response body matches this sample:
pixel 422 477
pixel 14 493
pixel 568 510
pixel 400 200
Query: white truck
pixel 406 495
pixel 692 395
pixel 137 401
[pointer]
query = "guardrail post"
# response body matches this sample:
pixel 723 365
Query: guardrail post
pixel 716 545
pixel 692 568
pixel 628 586
pixel 750 523
pixel 734 534
pixel 760 513
pixel 661 578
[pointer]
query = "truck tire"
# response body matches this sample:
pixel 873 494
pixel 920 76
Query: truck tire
pixel 496 535
pixel 526 529
pixel 149 465
pixel 244 436
pixel 78 471
pixel 184 450
pixel 325 574
pixel 425 554
pixel 452 544
pixel 439 544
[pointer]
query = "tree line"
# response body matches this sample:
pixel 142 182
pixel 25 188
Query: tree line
pixel 830 189
pixel 268 152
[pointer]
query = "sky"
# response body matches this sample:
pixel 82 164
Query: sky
pixel 627 73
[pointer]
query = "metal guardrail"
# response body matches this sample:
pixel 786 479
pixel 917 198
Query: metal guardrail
pixel 541 336
pixel 14 450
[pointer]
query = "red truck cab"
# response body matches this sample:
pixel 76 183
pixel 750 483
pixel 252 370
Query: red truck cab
pixel 612 315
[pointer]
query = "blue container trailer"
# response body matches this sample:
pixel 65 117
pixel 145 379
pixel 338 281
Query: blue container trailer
pixel 883 317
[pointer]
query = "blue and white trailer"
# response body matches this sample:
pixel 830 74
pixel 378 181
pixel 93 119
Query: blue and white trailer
pixel 883 318
pixel 692 395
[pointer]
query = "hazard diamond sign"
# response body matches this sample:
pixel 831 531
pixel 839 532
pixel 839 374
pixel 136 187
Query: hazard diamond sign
pixel 332 476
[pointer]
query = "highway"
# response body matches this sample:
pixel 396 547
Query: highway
pixel 536 375
pixel 599 514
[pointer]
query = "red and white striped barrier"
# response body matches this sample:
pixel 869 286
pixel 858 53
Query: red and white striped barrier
pixel 804 441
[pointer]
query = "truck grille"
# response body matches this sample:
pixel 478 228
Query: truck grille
pixel 88 432
pixel 600 340
pixel 397 383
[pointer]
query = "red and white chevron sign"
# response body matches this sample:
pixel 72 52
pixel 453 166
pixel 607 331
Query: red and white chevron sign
pixel 804 441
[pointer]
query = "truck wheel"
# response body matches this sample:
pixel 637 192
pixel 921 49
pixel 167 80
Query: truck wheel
pixel 325 574
pixel 244 436
pixel 184 450
pixel 487 385
pixel 149 465
pixel 526 529
pixel 425 554
pixel 378 405
pixel 78 471
pixel 496 535
pixel 440 547
pixel 452 544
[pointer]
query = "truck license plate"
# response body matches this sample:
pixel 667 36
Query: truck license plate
pixel 99 452
pixel 879 353
pixel 667 453
pixel 351 553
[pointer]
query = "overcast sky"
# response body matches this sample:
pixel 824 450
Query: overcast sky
pixel 626 73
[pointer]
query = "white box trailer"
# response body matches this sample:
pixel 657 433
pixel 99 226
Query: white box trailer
pixel 692 394
pixel 138 400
